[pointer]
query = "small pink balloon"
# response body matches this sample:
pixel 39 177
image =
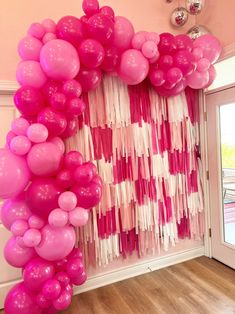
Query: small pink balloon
pixel 19 126
pixel 76 253
pixel 48 37
pixel 51 289
pixel 19 227
pixel 183 42
pixel 154 59
pixel 58 101
pixel 174 75
pixel 70 28
pixel 65 179
pixel 63 278
pixel 29 48
pixel 71 128
pixel 80 279
pixel 90 7
pixel 197 53
pixel 88 196
pixel 9 137
pixel 69 289
pixel 73 159
pixel 32 238
pixel 30 73
pixel 49 25
pixel 111 59
pixel 75 107
pixel 20 145
pixel 42 302
pixel 91 53
pixel 83 175
pixel 67 201
pixel 139 39
pixel 74 267
pixel 149 49
pixel 123 33
pixel 58 218
pixel 59 143
pixel 37 133
pixel 36 222
pixel 157 77
pixel 203 65
pixel 152 36
pixel 37 30
pixel 63 302
pixel 166 62
pixel 198 80
pixel 54 120
pixel 89 79
pixel 72 89
pixel 106 10
pixel 78 217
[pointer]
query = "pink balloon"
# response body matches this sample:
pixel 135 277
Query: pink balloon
pixel 123 33
pixel 37 272
pixel 84 175
pixel 111 59
pixel 88 196
pixel 63 278
pixel 42 302
pixel 106 10
pixel 48 37
pixel 44 159
pixel 56 243
pixel 14 210
pixel 197 53
pixel 185 61
pixel 98 180
pixel 59 60
pixel 72 160
pixel 72 89
pixel 54 121
pixel 166 44
pixel 174 91
pixel 19 227
pixel 58 218
pixel 211 47
pixel 30 73
pixel 14 174
pixel 51 289
pixel 157 77
pixel 70 28
pixel 134 67
pixel 64 179
pixel 49 25
pixel 91 53
pixel 152 36
pixel 174 75
pixel 29 100
pixel 32 238
pixel 166 62
pixel 76 253
pixel 20 145
pixel 212 75
pixel 63 302
pixel 29 48
pixel 69 289
pixel 67 201
pixel 37 30
pixel 16 255
pixel 74 267
pixel 78 217
pixel 101 28
pixel 37 133
pixel 21 301
pixel 149 49
pixel 203 65
pixel 51 87
pixel 9 137
pixel 75 107
pixel 90 7
pixel 183 42
pixel 42 196
pixel 80 279
pixel 198 80
pixel 19 126
pixel 59 143
pixel 89 78
pixel 138 40
pixel 71 128
pixel 36 222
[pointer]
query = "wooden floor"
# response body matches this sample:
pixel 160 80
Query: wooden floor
pixel 198 286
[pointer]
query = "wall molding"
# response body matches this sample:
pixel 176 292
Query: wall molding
pixel 8 87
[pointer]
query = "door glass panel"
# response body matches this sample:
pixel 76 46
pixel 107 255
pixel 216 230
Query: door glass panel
pixel 227 137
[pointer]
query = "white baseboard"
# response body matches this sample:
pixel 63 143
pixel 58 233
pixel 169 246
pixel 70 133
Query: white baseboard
pixel 140 268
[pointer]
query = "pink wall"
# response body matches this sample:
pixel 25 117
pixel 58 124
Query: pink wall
pixel 16 16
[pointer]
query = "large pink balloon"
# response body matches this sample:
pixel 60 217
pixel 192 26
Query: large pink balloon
pixel 13 210
pixel 211 47
pixel 42 196
pixel 16 255
pixel 134 67
pixel 36 272
pixel 29 48
pixel 91 53
pixel 54 120
pixel 198 80
pixel 101 28
pixel 123 33
pixel 89 78
pixel 29 100
pixel 44 159
pixel 59 60
pixel 70 28
pixel 30 73
pixel 21 301
pixel 88 196
pixel 14 174
pixel 56 243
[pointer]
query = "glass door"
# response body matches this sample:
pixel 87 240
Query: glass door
pixel 221 161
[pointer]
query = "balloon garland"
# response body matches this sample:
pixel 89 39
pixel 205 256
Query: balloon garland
pixel 48 191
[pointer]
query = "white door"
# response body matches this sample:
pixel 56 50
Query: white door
pixel 220 108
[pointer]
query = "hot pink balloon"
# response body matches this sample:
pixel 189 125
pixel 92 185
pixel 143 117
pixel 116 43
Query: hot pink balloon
pixel 37 133
pixel 63 278
pixel 63 302
pixel 21 301
pixel 19 126
pixel 54 121
pixel 44 159
pixel 67 201
pixel 74 267
pixel 42 302
pixel 78 217
pixel 29 48
pixel 88 196
pixel 58 101
pixel 20 145
pixel 36 30
pixel 30 73
pixel 211 47
pixel 51 87
pixel 75 107
pixel 16 255
pixel 184 60
pixel 106 10
pixel 101 28
pixel 14 174
pixel 89 78
pixel 149 49
pixel 70 28
pixel 80 279
pixel 71 128
pixel 58 218
pixel 59 60
pixel 165 62
pixel 134 67
pixel 111 59
pixel 198 80
pixel 73 159
pixel 84 174
pixel 72 89
pixel 123 33
pixel 56 243
pixel 174 75
pixel 42 196
pixel 157 77
pixel 174 91
pixel 166 44
pixel 32 238
pixel 91 53
pixel 65 179
pixel 183 42
pixel 90 7
pixel 51 289
pixel 37 272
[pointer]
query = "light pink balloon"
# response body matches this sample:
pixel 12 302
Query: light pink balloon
pixel 212 75
pixel 123 33
pixel 32 238
pixel 197 53
pixel 78 217
pixel 29 48
pixel 67 201
pixel 59 60
pixel 30 73
pixel 58 218
pixel 37 133
pixel 20 126
pixel 211 47
pixel 203 65
pixel 59 143
pixel 138 40
pixel 10 135
pixel 56 243
pixel 20 145
pixel 152 36
pixel 134 67
pixel 36 30
pixel 198 80
pixel 49 25
pixel 44 159
pixel 19 227
pixel 17 256
pixel 149 49
pixel 36 222
pixel 48 37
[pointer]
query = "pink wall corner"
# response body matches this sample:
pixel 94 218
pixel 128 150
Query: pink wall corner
pixel 16 16
pixel 219 17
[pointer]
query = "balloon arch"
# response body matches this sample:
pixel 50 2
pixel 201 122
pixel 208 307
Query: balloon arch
pixel 49 192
